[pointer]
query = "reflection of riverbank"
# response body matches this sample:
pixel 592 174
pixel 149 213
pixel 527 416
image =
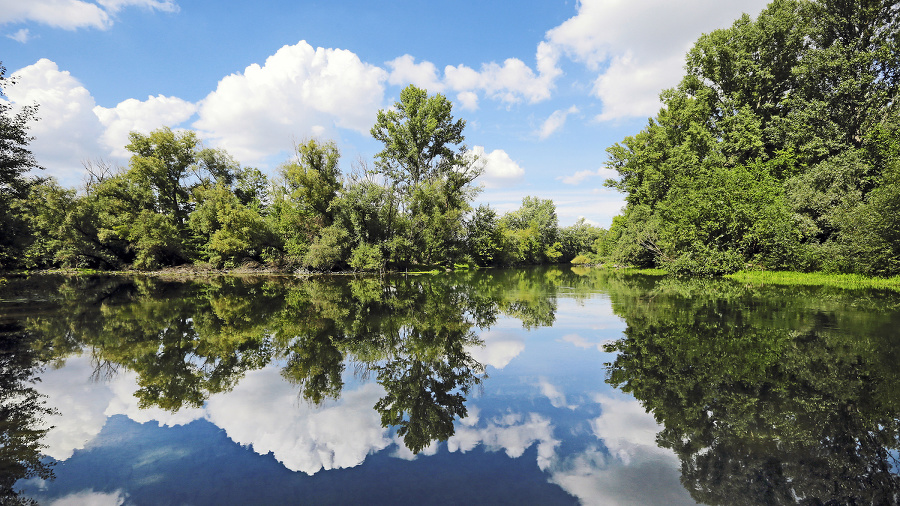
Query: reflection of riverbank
pixel 343 379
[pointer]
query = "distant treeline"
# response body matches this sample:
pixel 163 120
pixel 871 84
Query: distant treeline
pixel 779 149
pixel 179 203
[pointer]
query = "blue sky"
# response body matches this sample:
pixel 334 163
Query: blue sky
pixel 544 85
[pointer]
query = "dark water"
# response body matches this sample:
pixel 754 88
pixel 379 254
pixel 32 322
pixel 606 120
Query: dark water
pixel 540 386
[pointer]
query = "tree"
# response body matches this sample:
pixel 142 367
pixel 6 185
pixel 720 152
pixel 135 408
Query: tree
pixel 16 160
pixel 304 194
pixel 530 232
pixel 419 137
pixel 424 161
pixel 763 152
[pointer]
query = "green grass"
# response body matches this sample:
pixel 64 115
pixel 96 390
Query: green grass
pixel 847 281
pixel 635 270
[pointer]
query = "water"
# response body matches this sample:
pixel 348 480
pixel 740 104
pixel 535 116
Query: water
pixel 538 386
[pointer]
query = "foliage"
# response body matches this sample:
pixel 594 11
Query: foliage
pixel 22 413
pixel 773 151
pixel 424 161
pixel 766 395
pixel 16 160
pixel 179 202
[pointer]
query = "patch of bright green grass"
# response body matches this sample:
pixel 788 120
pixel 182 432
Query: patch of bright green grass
pixel 847 281
pixel 635 270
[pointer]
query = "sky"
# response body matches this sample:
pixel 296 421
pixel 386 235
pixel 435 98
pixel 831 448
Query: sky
pixel 545 86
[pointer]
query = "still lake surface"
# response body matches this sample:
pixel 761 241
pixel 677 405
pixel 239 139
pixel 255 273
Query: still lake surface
pixel 535 386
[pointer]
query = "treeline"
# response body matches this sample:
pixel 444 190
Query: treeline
pixel 179 202
pixel 779 149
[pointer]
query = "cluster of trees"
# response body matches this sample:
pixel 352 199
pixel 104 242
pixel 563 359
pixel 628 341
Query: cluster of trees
pixel 779 149
pixel 179 202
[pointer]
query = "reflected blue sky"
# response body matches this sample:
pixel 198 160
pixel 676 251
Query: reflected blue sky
pixel 543 428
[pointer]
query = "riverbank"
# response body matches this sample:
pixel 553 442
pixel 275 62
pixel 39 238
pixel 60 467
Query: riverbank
pixel 846 281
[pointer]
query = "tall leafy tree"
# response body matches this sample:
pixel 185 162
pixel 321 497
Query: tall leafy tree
pixel 16 160
pixel 425 161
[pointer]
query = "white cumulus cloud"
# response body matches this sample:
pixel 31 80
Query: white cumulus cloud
pixel 513 433
pixel 299 91
pixel 637 47
pixel 499 168
pixel 498 349
pixel 264 411
pixel 67 130
pixel 405 70
pixel 583 175
pixel 140 116
pixel 511 82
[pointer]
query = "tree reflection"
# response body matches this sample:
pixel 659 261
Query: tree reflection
pixel 768 396
pixel 22 412
pixel 187 340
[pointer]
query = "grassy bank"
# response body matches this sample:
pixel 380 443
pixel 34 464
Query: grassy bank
pixel 847 281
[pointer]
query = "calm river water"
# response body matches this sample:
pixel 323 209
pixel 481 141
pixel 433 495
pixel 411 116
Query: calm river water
pixel 538 386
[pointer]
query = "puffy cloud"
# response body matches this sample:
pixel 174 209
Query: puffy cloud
pixel 80 403
pixel 582 175
pixel 625 427
pixel 511 82
pixel 499 348
pixel 405 70
pixel 264 411
pixel 642 43
pixel 555 122
pixel 499 168
pixel 141 116
pixel 22 36
pixel 635 470
pixel 468 100
pixel 299 91
pixel 513 433
pixel 67 131
pixel 123 402
pixel 73 14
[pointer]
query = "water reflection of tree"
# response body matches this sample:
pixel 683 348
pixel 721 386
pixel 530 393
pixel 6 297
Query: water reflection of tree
pixel 768 396
pixel 188 340
pixel 22 413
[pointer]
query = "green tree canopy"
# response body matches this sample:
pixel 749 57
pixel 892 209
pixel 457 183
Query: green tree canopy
pixel 768 149
pixel 16 160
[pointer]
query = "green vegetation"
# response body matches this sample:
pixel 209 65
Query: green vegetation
pixel 848 281
pixel 778 149
pixel 767 395
pixel 180 203
pixel 187 340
